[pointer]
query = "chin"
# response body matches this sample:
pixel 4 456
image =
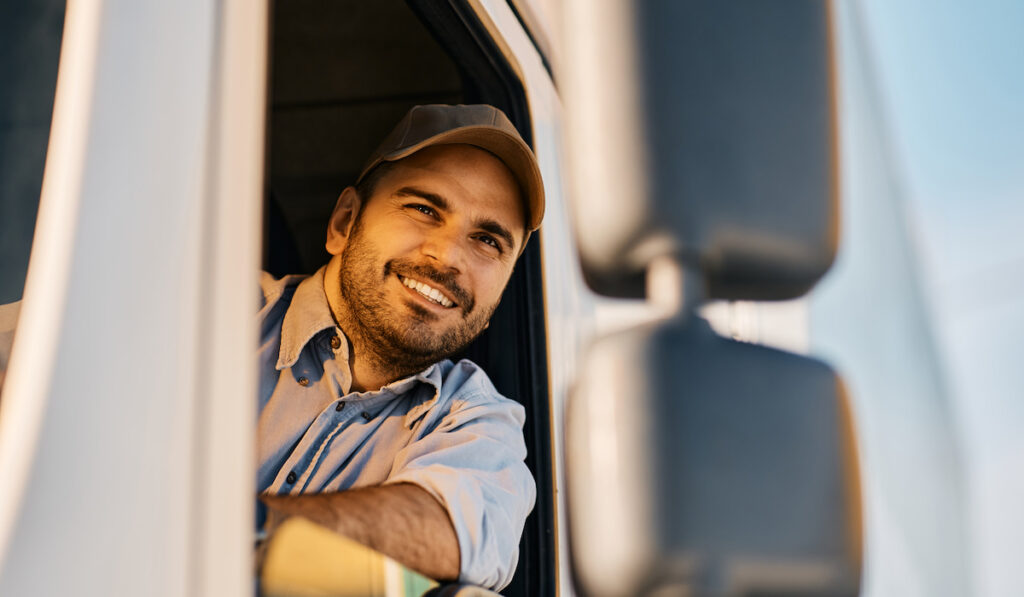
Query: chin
pixel 425 341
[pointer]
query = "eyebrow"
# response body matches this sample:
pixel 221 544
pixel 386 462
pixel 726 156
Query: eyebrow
pixel 438 201
pixel 487 225
pixel 497 230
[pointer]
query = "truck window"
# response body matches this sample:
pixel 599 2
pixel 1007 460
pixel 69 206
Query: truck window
pixel 342 74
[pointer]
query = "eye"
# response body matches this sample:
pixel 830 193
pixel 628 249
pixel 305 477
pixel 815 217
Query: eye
pixel 423 209
pixel 490 240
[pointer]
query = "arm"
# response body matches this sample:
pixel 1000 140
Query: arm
pixel 467 453
pixel 402 521
pixel 472 463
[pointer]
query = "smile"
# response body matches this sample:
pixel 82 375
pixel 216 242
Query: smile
pixel 428 292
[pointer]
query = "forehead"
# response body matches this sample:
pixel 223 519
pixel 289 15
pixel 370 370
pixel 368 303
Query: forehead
pixel 470 177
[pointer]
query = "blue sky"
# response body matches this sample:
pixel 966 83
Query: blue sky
pixel 951 79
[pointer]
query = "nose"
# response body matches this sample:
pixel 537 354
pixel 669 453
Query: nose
pixel 444 246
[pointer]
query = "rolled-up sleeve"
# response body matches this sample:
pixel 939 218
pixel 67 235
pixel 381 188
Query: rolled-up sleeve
pixel 472 462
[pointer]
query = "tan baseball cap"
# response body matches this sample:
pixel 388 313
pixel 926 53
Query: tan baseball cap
pixel 479 125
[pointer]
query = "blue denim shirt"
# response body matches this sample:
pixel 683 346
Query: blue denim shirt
pixel 445 429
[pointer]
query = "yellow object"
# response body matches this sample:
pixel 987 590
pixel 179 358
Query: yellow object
pixel 305 559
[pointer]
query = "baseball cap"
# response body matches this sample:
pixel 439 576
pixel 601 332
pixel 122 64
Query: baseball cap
pixel 479 125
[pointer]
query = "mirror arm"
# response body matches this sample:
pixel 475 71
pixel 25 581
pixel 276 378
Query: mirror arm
pixel 675 287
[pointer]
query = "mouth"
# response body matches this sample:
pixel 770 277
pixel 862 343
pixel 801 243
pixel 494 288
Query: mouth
pixel 429 293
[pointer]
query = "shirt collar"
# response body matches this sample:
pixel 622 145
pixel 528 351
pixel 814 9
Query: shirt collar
pixel 432 375
pixel 308 314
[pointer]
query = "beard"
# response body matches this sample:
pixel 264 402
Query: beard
pixel 401 335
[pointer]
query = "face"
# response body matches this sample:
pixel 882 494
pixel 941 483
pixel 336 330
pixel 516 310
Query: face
pixel 425 259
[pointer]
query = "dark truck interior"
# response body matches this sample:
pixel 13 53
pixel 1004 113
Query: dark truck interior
pixel 30 38
pixel 341 75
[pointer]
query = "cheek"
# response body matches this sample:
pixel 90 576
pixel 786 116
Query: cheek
pixel 493 285
pixel 397 237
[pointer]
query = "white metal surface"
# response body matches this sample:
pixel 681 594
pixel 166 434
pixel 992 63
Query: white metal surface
pixel 569 304
pixel 127 421
pixel 30 371
pixel 231 253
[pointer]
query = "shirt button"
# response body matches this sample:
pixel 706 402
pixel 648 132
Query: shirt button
pixel 291 477
pixel 303 381
pixel 367 415
pixel 340 406
pixel 335 342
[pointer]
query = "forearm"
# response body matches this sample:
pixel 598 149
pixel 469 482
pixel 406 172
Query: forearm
pixel 402 521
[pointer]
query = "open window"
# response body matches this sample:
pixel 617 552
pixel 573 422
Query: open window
pixel 342 74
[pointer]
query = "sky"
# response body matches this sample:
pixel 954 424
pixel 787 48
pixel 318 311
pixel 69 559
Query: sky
pixel 952 78
pixel 951 84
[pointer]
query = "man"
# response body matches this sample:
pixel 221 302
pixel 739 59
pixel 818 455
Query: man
pixel 365 427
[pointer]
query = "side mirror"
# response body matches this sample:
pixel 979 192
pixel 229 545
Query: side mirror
pixel 702 135
pixel 703 131
pixel 703 466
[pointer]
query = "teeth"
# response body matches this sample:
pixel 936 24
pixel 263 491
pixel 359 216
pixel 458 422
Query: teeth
pixel 428 292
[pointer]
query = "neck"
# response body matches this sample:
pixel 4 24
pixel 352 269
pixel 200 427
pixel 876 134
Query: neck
pixel 370 369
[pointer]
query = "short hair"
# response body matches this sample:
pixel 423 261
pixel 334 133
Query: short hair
pixel 368 184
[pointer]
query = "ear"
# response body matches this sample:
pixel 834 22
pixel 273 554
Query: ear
pixel 339 227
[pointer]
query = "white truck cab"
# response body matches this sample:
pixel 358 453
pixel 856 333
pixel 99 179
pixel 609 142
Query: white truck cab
pixel 194 143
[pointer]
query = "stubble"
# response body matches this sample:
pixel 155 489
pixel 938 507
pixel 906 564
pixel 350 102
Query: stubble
pixel 398 335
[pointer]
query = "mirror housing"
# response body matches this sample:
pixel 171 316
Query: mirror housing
pixel 705 466
pixel 703 131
